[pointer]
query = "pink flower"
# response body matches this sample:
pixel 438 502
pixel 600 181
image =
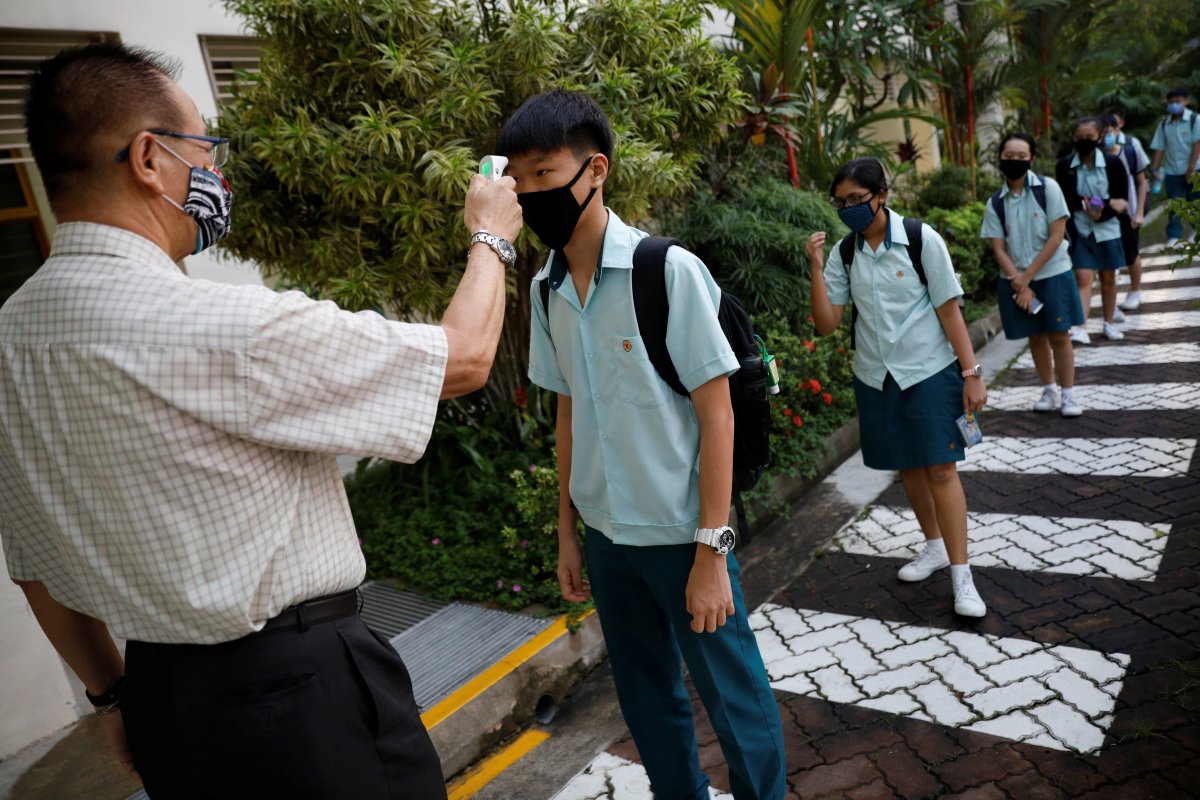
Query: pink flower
pixel 532 468
pixel 516 588
pixel 499 584
pixel 435 541
pixel 524 544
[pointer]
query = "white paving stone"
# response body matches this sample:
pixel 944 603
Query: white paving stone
pixel 1159 321
pixel 1151 458
pixel 1065 545
pixel 1100 397
pixel 1164 295
pixel 1050 695
pixel 628 781
pixel 1157 275
pixel 1175 353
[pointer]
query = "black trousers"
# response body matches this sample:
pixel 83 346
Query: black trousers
pixel 325 713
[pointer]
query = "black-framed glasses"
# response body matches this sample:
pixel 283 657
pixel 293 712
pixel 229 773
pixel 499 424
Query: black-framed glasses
pixel 218 154
pixel 850 202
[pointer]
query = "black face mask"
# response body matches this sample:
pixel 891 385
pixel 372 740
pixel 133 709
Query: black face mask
pixel 1085 147
pixel 1014 168
pixel 552 214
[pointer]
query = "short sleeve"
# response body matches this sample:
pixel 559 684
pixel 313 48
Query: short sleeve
pixel 321 379
pixel 695 341
pixel 1139 158
pixel 941 281
pixel 991 228
pixel 543 357
pixel 1056 203
pixel 1157 142
pixel 837 282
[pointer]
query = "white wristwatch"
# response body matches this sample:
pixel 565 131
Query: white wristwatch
pixel 721 539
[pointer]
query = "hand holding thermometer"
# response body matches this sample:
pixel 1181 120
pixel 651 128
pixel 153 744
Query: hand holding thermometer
pixel 492 167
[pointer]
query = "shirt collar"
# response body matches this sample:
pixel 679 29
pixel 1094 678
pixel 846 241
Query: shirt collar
pixel 894 233
pixel 616 251
pixel 94 239
pixel 1031 179
pixel 1097 163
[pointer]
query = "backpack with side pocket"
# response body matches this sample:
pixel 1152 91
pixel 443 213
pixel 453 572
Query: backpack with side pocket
pixel 747 386
pixel 915 246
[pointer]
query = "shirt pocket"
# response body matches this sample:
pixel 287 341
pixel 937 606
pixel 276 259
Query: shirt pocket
pixel 637 380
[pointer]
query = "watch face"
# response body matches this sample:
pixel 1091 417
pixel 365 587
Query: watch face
pixel 507 251
pixel 726 540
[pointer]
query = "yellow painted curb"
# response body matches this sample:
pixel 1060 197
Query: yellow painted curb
pixel 496 672
pixel 493 765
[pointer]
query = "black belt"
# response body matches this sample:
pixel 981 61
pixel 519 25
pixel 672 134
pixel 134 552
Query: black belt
pixel 310 612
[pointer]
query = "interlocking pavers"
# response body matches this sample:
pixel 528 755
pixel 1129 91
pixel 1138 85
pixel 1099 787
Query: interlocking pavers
pixel 1180 352
pixel 610 777
pixel 1097 398
pixel 1148 457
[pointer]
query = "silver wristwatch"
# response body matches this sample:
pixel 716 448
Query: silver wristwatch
pixel 503 247
pixel 721 539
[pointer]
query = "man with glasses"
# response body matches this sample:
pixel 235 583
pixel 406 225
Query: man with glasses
pixel 167 457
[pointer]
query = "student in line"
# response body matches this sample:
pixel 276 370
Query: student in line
pixel 1137 215
pixel 1096 188
pixel 914 368
pixel 1037 294
pixel 647 469
pixel 1176 146
pixel 1135 167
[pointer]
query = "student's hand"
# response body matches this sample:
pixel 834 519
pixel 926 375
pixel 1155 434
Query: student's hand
pixel 974 395
pixel 816 249
pixel 493 207
pixel 709 594
pixel 1019 283
pixel 1137 220
pixel 570 568
pixel 1023 298
pixel 113 726
pixel 1118 205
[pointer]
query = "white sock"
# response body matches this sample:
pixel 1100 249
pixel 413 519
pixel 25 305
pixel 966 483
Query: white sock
pixel 936 545
pixel 1068 393
pixel 960 573
pixel 1052 386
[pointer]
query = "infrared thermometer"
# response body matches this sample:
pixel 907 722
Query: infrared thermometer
pixel 492 167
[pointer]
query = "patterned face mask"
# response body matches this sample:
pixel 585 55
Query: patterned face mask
pixel 208 202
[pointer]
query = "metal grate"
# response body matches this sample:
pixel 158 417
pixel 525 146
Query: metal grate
pixel 231 61
pixel 20 52
pixel 457 643
pixel 389 611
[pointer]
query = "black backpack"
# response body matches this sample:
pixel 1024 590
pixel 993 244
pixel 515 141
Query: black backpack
pixel 1039 194
pixel 747 386
pixel 912 229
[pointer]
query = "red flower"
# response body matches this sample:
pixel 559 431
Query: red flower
pixel 797 421
pixel 815 385
pixel 828 398
pixel 522 398
pixel 787 412
pixel 812 348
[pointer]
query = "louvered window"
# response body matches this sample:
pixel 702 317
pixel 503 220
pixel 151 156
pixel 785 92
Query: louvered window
pixel 231 60
pixel 20 52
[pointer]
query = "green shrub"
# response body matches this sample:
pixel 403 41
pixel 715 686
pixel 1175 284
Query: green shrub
pixel 971 255
pixel 947 187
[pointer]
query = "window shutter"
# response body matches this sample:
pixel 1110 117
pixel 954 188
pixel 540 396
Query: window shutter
pixel 226 57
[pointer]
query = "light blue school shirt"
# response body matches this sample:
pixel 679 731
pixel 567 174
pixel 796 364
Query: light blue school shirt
pixel 635 454
pixel 1093 181
pixel 1177 141
pixel 1029 226
pixel 898 327
pixel 1142 158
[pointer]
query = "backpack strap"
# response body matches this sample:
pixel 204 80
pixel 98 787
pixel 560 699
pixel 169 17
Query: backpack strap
pixel 916 247
pixel 1001 213
pixel 846 251
pixel 1039 194
pixel 544 291
pixel 651 307
pixel 1130 157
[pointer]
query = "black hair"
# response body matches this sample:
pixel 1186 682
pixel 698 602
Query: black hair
pixel 556 119
pixel 866 172
pixel 1021 137
pixel 1109 121
pixel 1178 91
pixel 1096 121
pixel 1116 111
pixel 83 93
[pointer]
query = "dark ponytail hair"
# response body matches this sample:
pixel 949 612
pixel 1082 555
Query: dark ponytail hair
pixel 866 172
pixel 1020 137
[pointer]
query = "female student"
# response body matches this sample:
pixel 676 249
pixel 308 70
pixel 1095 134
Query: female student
pixel 1026 221
pixel 1096 188
pixel 914 367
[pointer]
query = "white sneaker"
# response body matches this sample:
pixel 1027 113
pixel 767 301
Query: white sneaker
pixel 1118 315
pixel 929 561
pixel 1132 300
pixel 1112 333
pixel 1172 241
pixel 1070 408
pixel 1079 335
pixel 967 602
pixel 1047 401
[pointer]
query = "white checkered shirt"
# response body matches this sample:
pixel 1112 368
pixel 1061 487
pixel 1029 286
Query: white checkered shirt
pixel 167 445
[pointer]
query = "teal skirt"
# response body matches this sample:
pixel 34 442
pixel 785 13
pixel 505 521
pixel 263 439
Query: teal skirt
pixel 1061 309
pixel 913 427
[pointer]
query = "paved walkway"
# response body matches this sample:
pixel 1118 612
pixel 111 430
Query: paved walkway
pixel 1084 678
